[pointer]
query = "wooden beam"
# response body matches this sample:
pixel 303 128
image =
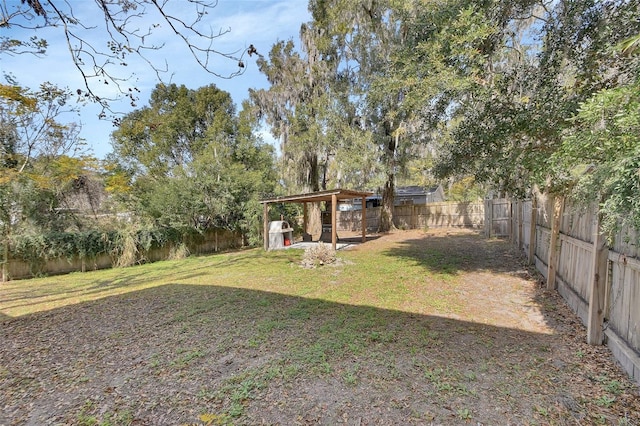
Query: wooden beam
pixel 554 242
pixel 364 219
pixel 315 197
pixel 597 285
pixel 265 220
pixel 334 230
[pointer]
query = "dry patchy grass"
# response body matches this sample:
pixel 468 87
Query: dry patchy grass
pixel 442 327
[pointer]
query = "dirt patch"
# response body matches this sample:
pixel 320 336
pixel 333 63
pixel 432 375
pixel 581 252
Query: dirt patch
pixel 442 327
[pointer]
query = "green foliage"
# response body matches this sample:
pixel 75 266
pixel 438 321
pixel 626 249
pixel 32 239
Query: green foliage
pixel 178 124
pixel 465 190
pixel 601 156
pixel 39 158
pixel 546 97
pixel 126 247
pixel 188 161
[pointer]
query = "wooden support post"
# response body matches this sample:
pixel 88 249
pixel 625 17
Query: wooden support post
pixel 364 219
pixel 265 220
pixel 305 219
pixel 334 222
pixel 531 256
pixel 554 242
pixel 597 285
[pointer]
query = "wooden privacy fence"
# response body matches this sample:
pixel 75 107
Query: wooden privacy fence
pixel 417 216
pixel 600 283
pixel 212 241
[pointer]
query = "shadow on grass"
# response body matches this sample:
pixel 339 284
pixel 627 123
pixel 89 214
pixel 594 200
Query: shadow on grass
pixel 168 354
pixel 450 253
pixel 86 285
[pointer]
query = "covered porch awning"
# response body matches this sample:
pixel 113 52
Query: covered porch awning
pixel 331 195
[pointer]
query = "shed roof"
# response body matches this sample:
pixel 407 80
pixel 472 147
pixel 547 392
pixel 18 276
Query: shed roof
pixel 311 197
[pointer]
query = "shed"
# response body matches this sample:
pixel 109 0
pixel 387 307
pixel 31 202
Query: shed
pixel 403 195
pixel 418 195
pixel 331 195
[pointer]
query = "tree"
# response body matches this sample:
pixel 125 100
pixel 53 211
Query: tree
pixel 364 35
pixel 599 158
pixel 193 162
pixel 38 158
pixel 178 124
pixel 289 107
pixel 128 26
pixel 417 63
pixel 515 121
pixel 309 108
pixel 331 131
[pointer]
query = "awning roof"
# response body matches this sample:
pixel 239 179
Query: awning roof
pixel 312 197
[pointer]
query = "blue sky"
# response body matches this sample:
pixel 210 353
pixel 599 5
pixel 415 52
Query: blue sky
pixel 257 22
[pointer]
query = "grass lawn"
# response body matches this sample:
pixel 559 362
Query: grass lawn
pixel 442 327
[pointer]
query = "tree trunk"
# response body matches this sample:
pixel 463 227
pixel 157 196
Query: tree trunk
pixel 388 193
pixel 386 214
pixel 314 212
pixel 314 221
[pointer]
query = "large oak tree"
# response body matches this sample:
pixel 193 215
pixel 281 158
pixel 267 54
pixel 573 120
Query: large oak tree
pixel 193 161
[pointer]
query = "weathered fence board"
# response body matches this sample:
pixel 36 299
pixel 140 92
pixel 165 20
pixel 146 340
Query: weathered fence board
pixel 352 220
pixel 417 216
pixel 543 236
pixel 577 224
pixel 574 264
pixel 498 218
pixel 575 274
pixel 624 305
pixel 212 241
pixel 624 243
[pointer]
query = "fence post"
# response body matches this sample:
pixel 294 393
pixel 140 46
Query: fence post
pixel 513 221
pixel 5 261
pixel 533 234
pixel 554 242
pixel 597 285
pixel 520 212
pixel 414 217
